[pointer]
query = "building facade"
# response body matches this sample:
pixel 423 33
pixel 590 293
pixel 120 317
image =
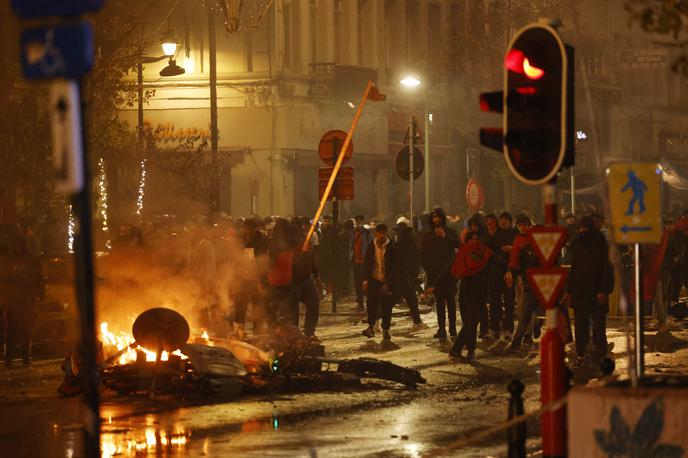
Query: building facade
pixel 301 73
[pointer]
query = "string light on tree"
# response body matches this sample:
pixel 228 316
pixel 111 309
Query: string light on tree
pixel 103 200
pixel 71 229
pixel 142 189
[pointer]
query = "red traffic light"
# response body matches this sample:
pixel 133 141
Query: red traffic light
pixel 492 101
pixel 538 105
pixel 516 61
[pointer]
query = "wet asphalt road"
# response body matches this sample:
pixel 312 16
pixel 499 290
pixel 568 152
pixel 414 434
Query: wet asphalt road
pixel 380 420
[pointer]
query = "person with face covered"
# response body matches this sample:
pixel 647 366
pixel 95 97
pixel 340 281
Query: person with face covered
pixel 22 285
pixel 438 249
pixel 380 281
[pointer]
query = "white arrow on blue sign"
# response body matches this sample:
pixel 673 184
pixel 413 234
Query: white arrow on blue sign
pixel 57 52
pixel 66 8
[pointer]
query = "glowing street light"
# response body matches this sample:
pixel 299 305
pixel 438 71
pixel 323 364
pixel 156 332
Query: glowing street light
pixel 410 81
pixel 169 44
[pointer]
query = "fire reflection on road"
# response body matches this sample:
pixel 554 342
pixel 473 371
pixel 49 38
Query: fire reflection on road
pixel 152 441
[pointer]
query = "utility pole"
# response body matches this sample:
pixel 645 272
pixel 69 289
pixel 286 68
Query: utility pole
pixel 212 50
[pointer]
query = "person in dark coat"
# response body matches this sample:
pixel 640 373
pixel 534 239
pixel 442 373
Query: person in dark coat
pixel 380 281
pixel 501 297
pixel 589 284
pixel 361 237
pixel 23 286
pixel 407 265
pixel 474 257
pixel 437 252
pixel 304 278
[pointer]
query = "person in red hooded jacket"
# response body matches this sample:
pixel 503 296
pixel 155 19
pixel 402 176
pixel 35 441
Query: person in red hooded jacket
pixel 469 266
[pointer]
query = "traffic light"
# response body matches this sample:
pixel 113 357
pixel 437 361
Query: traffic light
pixel 537 137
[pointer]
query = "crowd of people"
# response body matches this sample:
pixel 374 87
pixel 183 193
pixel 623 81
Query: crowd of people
pixel 479 264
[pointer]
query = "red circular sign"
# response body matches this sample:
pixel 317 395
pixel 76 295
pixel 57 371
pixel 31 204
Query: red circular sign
pixel 475 197
pixel 331 144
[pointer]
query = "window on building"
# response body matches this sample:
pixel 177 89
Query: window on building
pixel 361 31
pixel 337 30
pixel 435 45
pixel 412 26
pixel 287 34
pixel 313 19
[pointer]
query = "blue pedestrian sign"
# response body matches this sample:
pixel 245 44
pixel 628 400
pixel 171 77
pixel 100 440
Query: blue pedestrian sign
pixel 27 9
pixel 63 51
pixel 635 196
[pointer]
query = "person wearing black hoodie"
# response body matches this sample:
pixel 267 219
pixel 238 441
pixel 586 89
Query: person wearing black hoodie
pixel 589 284
pixel 500 296
pixel 438 250
pixel 408 265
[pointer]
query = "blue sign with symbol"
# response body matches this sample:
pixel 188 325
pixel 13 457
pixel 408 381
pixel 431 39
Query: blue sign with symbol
pixel 638 189
pixel 40 8
pixel 635 192
pixel 57 52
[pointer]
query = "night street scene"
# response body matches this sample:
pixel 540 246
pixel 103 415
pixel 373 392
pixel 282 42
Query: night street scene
pixel 344 228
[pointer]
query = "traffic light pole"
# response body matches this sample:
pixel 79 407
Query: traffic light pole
pixel 426 169
pixel 412 135
pixel 552 366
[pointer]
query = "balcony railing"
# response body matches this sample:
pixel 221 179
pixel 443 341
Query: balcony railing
pixel 330 80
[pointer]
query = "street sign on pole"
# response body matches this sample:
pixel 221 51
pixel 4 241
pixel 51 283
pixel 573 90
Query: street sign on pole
pixel 547 242
pixel 402 166
pixel 331 144
pixel 547 283
pixel 62 51
pixel 27 9
pixel 475 196
pixel 344 184
pixel 635 197
pixel 65 117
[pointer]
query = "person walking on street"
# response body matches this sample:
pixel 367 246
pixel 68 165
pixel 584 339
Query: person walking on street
pixel 379 282
pixel 361 237
pixel 281 254
pixel 437 252
pixel 304 279
pixel 522 258
pixel 501 297
pixel 589 284
pixel 23 286
pixel 407 265
pixel 252 289
pixel 472 259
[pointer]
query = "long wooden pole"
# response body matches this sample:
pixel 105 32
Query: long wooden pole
pixel 338 165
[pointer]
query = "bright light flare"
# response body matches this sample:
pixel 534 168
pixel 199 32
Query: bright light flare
pixel 169 48
pixel 531 71
pixel 410 81
pixel 517 62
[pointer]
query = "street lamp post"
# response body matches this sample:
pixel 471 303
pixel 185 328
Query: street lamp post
pixel 411 82
pixel 169 49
